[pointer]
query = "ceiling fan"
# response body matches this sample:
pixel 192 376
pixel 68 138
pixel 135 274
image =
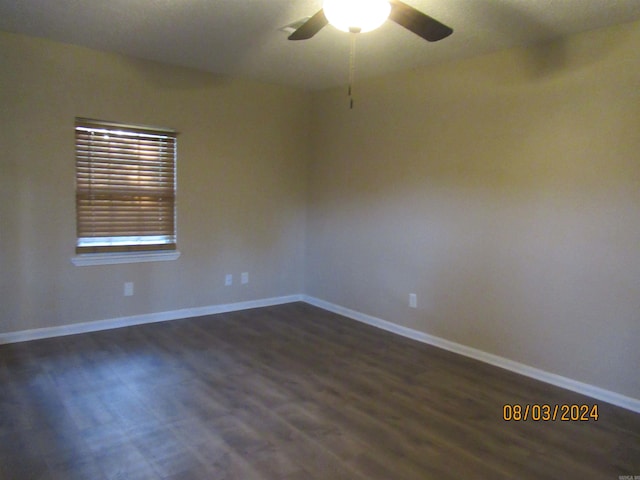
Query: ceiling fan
pixel 366 15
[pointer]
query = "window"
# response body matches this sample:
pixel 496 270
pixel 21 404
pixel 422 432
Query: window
pixel 125 187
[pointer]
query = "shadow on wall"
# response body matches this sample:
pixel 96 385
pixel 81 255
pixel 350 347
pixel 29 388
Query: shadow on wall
pixel 505 20
pixel 486 122
pixel 502 23
pixel 229 50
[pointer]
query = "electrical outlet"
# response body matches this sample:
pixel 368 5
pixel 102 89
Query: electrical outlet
pixel 128 289
pixel 413 300
pixel 228 279
pixel 244 278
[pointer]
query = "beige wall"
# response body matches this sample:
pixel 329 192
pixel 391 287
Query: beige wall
pixel 241 203
pixel 504 191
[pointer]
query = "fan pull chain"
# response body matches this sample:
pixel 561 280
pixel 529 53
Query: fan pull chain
pixel 352 67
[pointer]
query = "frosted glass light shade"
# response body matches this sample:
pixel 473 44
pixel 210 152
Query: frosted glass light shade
pixel 356 15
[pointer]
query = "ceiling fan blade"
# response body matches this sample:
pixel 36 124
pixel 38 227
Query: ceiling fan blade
pixel 309 28
pixel 416 21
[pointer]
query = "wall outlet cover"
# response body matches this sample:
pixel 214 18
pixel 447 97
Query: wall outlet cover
pixel 413 300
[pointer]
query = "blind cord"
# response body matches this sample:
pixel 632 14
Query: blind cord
pixel 352 67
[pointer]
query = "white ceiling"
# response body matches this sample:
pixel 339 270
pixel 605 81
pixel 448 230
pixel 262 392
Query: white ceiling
pixel 242 37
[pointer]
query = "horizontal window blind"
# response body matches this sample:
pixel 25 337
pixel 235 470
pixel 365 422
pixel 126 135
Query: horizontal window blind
pixel 125 187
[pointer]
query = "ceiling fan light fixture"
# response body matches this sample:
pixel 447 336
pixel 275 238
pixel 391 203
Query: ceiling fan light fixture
pixel 356 15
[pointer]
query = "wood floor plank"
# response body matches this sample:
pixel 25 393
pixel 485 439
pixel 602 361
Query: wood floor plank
pixel 287 392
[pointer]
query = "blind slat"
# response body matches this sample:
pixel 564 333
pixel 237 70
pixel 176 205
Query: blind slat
pixel 96 165
pixel 125 248
pixel 98 155
pixel 118 184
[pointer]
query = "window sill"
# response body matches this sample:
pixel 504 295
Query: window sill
pixel 87 259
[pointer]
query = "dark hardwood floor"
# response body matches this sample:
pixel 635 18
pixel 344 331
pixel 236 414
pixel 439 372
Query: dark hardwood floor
pixel 289 392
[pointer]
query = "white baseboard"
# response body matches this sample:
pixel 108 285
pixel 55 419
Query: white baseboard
pixel 85 327
pixel 598 393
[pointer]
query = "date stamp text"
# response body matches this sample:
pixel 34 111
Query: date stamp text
pixel 537 412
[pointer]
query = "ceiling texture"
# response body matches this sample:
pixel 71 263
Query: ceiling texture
pixel 243 38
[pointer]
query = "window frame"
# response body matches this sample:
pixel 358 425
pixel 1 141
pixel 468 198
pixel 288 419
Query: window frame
pixel 135 171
